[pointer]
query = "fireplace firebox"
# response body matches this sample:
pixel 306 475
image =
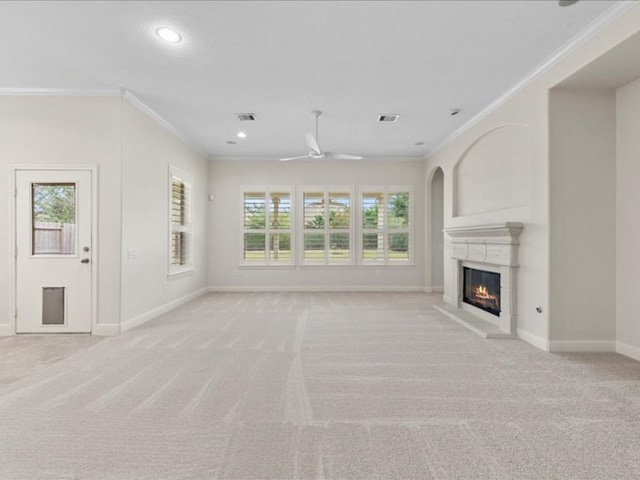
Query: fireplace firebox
pixel 482 289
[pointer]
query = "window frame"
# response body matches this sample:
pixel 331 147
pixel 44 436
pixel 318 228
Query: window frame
pixel 267 191
pixel 326 191
pixel 385 191
pixel 187 225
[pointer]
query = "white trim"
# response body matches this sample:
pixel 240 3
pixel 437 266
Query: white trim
pixel 315 288
pixel 438 289
pixel 276 159
pixel 630 351
pixel 582 346
pixel 154 312
pixel 13 291
pixel 106 330
pixel 447 299
pixel 532 339
pixel 590 31
pixel 71 92
pixel 133 100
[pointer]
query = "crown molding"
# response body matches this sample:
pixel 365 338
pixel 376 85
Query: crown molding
pixel 612 14
pixel 136 102
pixel 75 92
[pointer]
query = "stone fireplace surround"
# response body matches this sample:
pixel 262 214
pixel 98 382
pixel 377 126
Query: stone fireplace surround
pixel 492 248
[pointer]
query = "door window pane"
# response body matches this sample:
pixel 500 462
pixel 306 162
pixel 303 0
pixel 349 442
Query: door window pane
pixel 53 218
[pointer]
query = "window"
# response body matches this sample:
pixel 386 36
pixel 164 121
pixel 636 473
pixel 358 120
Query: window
pixel 386 224
pixel 181 235
pixel 53 224
pixel 326 226
pixel 267 226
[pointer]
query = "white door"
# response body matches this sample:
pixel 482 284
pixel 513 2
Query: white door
pixel 53 251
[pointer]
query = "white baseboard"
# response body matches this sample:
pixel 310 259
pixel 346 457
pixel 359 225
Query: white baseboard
pixel 106 329
pixel 582 346
pixel 315 288
pixel 447 299
pixel 437 289
pixel 534 340
pixel 628 350
pixel 427 290
pixel 6 330
pixel 145 317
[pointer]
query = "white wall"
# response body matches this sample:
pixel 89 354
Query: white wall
pixel 147 151
pixel 62 130
pixel 582 157
pixel 529 106
pixel 225 181
pixel 528 111
pixel 627 219
pixel 485 182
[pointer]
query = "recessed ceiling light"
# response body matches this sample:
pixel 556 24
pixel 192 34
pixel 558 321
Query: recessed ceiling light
pixel 241 135
pixel 231 142
pixel 417 144
pixel 168 35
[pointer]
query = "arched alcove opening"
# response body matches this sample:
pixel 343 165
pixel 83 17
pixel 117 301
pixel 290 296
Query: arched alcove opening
pixel 436 234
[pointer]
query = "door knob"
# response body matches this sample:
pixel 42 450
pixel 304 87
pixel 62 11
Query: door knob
pixel 84 260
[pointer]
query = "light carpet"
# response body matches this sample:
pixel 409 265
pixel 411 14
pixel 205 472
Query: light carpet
pixel 320 386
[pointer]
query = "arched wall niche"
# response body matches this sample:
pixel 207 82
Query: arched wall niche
pixel 435 207
pixel 494 171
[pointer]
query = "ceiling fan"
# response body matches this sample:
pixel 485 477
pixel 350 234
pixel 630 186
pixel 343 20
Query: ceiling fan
pixel 315 152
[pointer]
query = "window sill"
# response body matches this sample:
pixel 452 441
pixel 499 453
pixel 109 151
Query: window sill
pixel 259 266
pixel 386 265
pixel 322 265
pixel 181 272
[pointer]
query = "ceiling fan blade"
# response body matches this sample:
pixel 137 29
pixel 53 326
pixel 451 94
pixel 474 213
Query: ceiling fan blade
pixel 313 143
pixel 294 158
pixel 342 156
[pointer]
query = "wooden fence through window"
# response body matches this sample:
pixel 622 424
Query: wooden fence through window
pixel 54 238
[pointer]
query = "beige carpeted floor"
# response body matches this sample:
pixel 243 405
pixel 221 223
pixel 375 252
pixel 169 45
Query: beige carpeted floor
pixel 320 386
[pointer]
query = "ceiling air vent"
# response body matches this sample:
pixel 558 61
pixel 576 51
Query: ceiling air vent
pixel 390 117
pixel 246 117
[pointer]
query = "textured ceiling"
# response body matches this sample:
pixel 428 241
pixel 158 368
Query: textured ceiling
pixel 281 60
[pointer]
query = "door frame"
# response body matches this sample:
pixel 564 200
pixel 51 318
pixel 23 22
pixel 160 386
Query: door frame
pixel 93 170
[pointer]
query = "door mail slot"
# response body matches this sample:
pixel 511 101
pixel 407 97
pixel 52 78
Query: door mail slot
pixel 53 305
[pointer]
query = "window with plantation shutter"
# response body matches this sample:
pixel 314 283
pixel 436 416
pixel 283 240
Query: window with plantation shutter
pixel 267 226
pixel 326 226
pixel 180 227
pixel 386 225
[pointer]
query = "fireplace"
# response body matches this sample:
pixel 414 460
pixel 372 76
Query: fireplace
pixel 484 264
pixel 481 289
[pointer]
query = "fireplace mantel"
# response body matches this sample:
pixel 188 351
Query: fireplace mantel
pixel 494 248
pixel 490 244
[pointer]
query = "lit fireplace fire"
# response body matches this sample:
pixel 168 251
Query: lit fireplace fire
pixel 482 290
pixel 482 294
